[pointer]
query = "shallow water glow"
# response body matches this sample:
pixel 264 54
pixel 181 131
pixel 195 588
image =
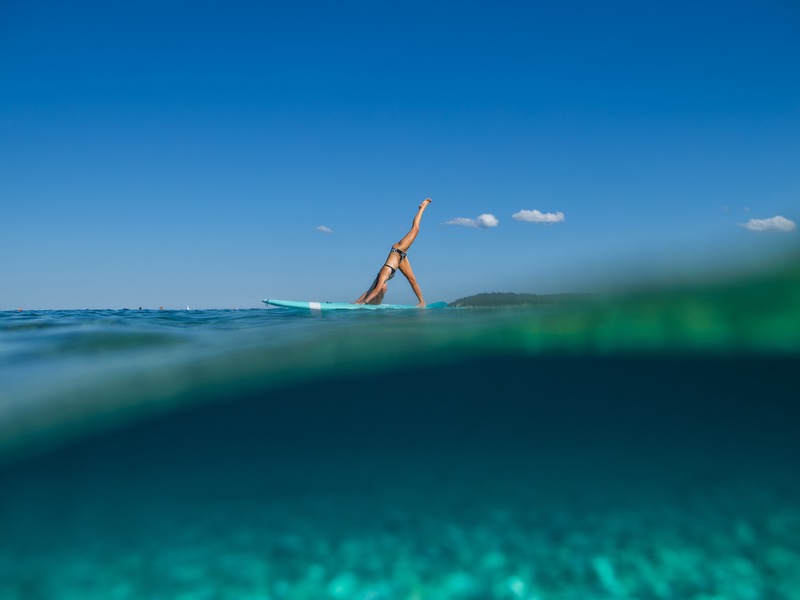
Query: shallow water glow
pixel 638 446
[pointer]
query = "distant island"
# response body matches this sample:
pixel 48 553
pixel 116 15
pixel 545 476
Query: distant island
pixel 508 299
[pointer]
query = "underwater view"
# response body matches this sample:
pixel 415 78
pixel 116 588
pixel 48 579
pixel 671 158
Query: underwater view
pixel 633 445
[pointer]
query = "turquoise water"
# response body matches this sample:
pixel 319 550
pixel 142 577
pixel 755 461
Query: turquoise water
pixel 639 445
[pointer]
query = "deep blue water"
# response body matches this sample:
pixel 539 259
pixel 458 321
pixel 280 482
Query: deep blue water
pixel 438 454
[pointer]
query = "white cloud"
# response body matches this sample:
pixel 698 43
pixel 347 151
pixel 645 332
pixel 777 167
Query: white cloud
pixel 776 223
pixel 483 221
pixel 535 216
pixel 323 229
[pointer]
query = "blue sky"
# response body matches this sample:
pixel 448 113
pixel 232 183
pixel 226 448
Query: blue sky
pixel 185 153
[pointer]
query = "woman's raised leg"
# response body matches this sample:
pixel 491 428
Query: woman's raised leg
pixel 409 238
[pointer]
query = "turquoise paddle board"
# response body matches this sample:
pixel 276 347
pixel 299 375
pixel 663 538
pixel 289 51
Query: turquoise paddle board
pixel 346 305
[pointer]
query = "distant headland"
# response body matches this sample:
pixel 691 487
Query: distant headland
pixel 508 299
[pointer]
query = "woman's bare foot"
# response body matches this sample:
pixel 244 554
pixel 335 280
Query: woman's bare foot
pixel 425 203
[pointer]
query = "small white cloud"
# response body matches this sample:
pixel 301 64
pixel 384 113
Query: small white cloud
pixel 487 220
pixel 483 221
pixel 323 229
pixel 535 216
pixel 776 223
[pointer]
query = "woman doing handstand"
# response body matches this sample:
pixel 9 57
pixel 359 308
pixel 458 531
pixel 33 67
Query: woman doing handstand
pixel 397 261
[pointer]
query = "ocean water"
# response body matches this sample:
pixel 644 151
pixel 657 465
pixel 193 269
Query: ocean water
pixel 636 445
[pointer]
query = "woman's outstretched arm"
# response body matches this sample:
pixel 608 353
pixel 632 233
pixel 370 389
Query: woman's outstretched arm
pixel 365 294
pixel 380 281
